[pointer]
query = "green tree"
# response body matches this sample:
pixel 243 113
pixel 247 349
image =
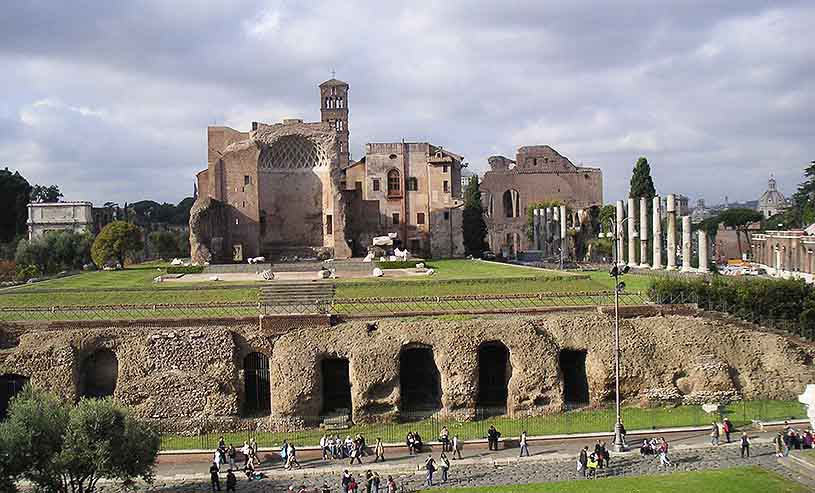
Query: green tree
pixel 608 214
pixel 14 193
pixel 118 241
pixel 474 227
pixel 45 194
pixel 163 244
pixel 642 185
pixel 740 219
pixel 63 448
pixel 55 251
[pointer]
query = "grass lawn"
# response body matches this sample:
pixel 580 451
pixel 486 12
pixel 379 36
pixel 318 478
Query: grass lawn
pixel 733 480
pixel 578 421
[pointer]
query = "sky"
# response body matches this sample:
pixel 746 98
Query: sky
pixel 111 100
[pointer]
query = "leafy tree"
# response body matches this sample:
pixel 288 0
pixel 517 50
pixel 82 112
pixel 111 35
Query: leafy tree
pixel 55 251
pixel 14 194
pixel 740 219
pixel 642 185
pixel 43 194
pixel 163 244
pixel 475 229
pixel 118 241
pixel 65 449
pixel 608 214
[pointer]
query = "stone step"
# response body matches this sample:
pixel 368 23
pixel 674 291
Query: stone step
pixel 297 296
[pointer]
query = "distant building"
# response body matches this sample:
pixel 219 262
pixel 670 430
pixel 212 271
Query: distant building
pixel 538 174
pixel 772 201
pixel 466 176
pixel 59 216
pixel 785 253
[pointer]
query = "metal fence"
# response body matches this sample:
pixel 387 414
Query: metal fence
pixel 308 431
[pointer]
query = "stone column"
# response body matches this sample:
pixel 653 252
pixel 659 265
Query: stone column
pixel 545 218
pixel 657 227
pixel 536 227
pixel 644 233
pixel 703 263
pixel 686 244
pixel 671 210
pixel 562 222
pixel 619 233
pixel 632 233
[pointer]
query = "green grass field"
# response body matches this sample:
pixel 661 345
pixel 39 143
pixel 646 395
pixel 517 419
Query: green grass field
pixel 733 480
pixel 578 421
pixel 454 277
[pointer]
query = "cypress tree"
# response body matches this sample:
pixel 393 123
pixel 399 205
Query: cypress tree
pixel 475 229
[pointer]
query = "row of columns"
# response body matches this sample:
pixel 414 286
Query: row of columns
pixel 641 236
pixel 549 224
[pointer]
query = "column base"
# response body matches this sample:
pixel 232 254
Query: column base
pixel 670 267
pixel 687 269
pixel 645 266
pixel 656 267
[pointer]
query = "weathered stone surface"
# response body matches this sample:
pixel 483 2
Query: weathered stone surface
pixel 187 372
pixel 208 221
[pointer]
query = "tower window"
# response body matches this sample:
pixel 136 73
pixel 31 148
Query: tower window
pixel 247 180
pixel 329 224
pixel 444 169
pixel 420 218
pixel 446 186
pixel 376 185
pixel 412 184
pixel 394 185
pixel 446 215
pixel 395 218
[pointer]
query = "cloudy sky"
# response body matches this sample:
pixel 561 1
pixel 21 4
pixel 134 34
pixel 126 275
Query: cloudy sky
pixel 111 100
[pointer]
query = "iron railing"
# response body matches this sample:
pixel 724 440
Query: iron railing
pixel 306 431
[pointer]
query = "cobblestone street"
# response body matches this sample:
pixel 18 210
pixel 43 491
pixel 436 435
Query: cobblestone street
pixel 499 469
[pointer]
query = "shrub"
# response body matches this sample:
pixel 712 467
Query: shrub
pixel 398 264
pixel 26 272
pixel 55 251
pixel 117 241
pixel 775 302
pixel 185 269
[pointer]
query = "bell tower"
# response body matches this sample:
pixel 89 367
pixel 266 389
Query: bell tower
pixel 334 110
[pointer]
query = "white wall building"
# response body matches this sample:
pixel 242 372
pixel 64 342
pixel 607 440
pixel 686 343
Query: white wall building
pixel 59 216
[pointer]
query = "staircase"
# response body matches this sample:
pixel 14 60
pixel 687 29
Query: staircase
pixel 297 297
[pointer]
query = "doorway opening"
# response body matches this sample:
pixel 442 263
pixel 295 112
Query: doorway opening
pixel 336 385
pixel 575 382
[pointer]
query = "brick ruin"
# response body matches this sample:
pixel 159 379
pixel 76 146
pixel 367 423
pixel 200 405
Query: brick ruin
pixel 227 372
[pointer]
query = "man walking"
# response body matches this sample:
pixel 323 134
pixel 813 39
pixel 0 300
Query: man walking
pixel 214 478
pixel 430 467
pixel 744 444
pixel 444 464
pixel 456 447
pixel 492 438
pixel 379 451
pixel 714 434
pixel 583 460
pixel 524 445
pixel 727 427
pixel 231 481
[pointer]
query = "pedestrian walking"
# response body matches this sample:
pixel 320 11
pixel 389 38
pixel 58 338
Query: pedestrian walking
pixel 391 485
pixel 714 434
pixel 456 447
pixel 663 453
pixel 583 460
pixel 444 438
pixel 214 478
pixel 345 481
pixel 744 445
pixel 231 453
pixel 409 441
pixel 778 441
pixel 727 428
pixel 231 481
pixel 444 465
pixel 492 438
pixel 375 482
pixel 355 454
pixel 324 446
pixel 369 481
pixel 292 456
pixel 379 450
pixel 216 459
pixel 284 453
pixel 524 445
pixel 430 468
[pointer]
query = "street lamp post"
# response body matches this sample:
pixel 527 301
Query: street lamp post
pixel 616 271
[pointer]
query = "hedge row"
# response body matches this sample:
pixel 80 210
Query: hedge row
pixel 783 303
pixel 398 264
pixel 185 269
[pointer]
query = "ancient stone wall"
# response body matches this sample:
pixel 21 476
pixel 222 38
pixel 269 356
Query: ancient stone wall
pixel 186 373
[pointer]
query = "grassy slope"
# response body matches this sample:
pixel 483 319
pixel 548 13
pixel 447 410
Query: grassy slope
pixel 734 480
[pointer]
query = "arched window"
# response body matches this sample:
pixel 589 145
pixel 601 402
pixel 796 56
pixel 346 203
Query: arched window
pixel 394 183
pixel 511 203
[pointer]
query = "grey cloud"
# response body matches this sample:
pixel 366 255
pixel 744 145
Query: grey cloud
pixel 716 94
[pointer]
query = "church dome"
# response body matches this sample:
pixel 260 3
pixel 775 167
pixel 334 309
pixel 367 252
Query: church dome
pixel 771 198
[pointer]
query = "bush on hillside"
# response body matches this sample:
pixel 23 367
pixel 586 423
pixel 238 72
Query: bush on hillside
pixel 185 269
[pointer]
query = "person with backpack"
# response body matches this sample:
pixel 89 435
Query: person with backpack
pixel 444 465
pixel 727 428
pixel 744 445
pixel 430 467
pixel 284 454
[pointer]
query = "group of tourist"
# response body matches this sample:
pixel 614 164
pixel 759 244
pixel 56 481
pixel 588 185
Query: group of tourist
pixel 789 438
pixel 228 455
pixel 353 448
pixel 372 482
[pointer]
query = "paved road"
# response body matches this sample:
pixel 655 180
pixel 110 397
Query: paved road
pixel 552 461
